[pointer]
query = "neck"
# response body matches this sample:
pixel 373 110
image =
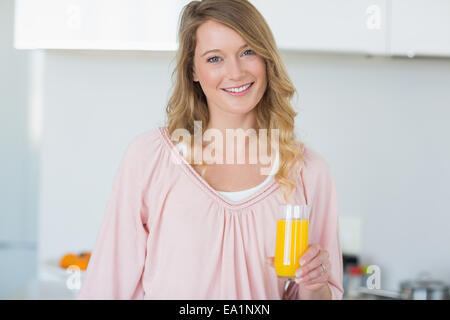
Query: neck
pixel 243 122
pixel 233 122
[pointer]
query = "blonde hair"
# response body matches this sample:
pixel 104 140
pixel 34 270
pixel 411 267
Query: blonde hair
pixel 274 111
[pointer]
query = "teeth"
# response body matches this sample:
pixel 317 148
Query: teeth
pixel 239 89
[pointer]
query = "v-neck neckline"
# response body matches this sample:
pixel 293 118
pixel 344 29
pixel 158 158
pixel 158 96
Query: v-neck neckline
pixel 191 172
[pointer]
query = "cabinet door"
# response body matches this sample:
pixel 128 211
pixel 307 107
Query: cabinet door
pixel 420 27
pixel 97 24
pixel 327 25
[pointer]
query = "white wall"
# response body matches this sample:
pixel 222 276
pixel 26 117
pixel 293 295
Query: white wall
pixel 379 122
pixel 18 175
pixel 382 124
pixel 95 104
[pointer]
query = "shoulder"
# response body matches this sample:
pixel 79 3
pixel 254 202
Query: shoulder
pixel 144 147
pixel 146 138
pixel 146 142
pixel 315 176
pixel 313 162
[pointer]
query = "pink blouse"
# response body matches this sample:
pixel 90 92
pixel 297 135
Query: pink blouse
pixel 167 234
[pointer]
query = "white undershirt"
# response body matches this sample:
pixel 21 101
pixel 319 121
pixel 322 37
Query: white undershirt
pixel 240 195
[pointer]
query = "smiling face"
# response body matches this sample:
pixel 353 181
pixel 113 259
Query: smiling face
pixel 233 66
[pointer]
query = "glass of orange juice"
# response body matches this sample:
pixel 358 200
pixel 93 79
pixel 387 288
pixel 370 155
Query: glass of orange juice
pixel 291 239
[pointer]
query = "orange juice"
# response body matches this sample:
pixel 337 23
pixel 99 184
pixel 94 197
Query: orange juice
pixel 291 244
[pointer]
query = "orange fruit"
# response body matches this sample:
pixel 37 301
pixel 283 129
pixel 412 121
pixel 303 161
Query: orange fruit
pixel 86 255
pixel 67 260
pixel 82 263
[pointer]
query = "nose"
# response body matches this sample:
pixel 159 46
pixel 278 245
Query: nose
pixel 235 69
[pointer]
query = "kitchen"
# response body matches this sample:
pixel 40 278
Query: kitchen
pixel 83 78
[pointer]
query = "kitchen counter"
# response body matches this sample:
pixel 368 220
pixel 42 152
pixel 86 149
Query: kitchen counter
pixel 43 290
pixel 51 284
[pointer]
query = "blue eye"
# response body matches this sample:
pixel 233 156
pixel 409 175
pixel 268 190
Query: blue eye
pixel 210 59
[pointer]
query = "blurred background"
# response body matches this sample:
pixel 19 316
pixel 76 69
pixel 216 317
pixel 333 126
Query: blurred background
pixel 79 79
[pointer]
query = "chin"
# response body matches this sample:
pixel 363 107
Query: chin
pixel 239 110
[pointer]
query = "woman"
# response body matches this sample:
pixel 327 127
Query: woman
pixel 183 230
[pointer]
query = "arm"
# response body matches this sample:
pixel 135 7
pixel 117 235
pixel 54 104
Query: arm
pixel 118 258
pixel 319 189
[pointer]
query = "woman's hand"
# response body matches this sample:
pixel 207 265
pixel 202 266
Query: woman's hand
pixel 314 271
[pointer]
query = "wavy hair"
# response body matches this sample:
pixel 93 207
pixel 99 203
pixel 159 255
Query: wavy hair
pixel 274 111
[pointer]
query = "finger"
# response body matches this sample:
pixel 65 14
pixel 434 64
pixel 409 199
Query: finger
pixel 270 261
pixel 310 253
pixel 321 258
pixel 319 282
pixel 311 276
pixel 315 275
pixel 321 279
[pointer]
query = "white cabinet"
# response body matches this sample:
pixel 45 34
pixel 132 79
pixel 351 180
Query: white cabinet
pixel 97 24
pixel 357 26
pixel 420 27
pixel 308 25
pixel 380 27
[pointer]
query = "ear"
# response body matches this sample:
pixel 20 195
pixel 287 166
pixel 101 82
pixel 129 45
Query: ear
pixel 194 76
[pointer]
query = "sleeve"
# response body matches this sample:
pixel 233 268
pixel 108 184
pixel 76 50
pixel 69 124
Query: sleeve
pixel 117 262
pixel 320 192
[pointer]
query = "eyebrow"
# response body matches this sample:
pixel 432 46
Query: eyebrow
pixel 242 47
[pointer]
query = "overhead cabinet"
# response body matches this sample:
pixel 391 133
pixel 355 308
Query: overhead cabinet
pixel 379 27
pixel 420 27
pixel 97 24
pixel 357 26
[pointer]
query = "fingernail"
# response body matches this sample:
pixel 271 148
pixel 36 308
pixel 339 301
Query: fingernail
pixel 298 280
pixel 302 262
pixel 298 273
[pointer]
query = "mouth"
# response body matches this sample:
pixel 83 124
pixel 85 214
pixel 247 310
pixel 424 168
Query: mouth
pixel 240 93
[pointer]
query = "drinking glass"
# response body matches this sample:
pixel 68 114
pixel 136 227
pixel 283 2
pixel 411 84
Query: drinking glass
pixel 291 239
